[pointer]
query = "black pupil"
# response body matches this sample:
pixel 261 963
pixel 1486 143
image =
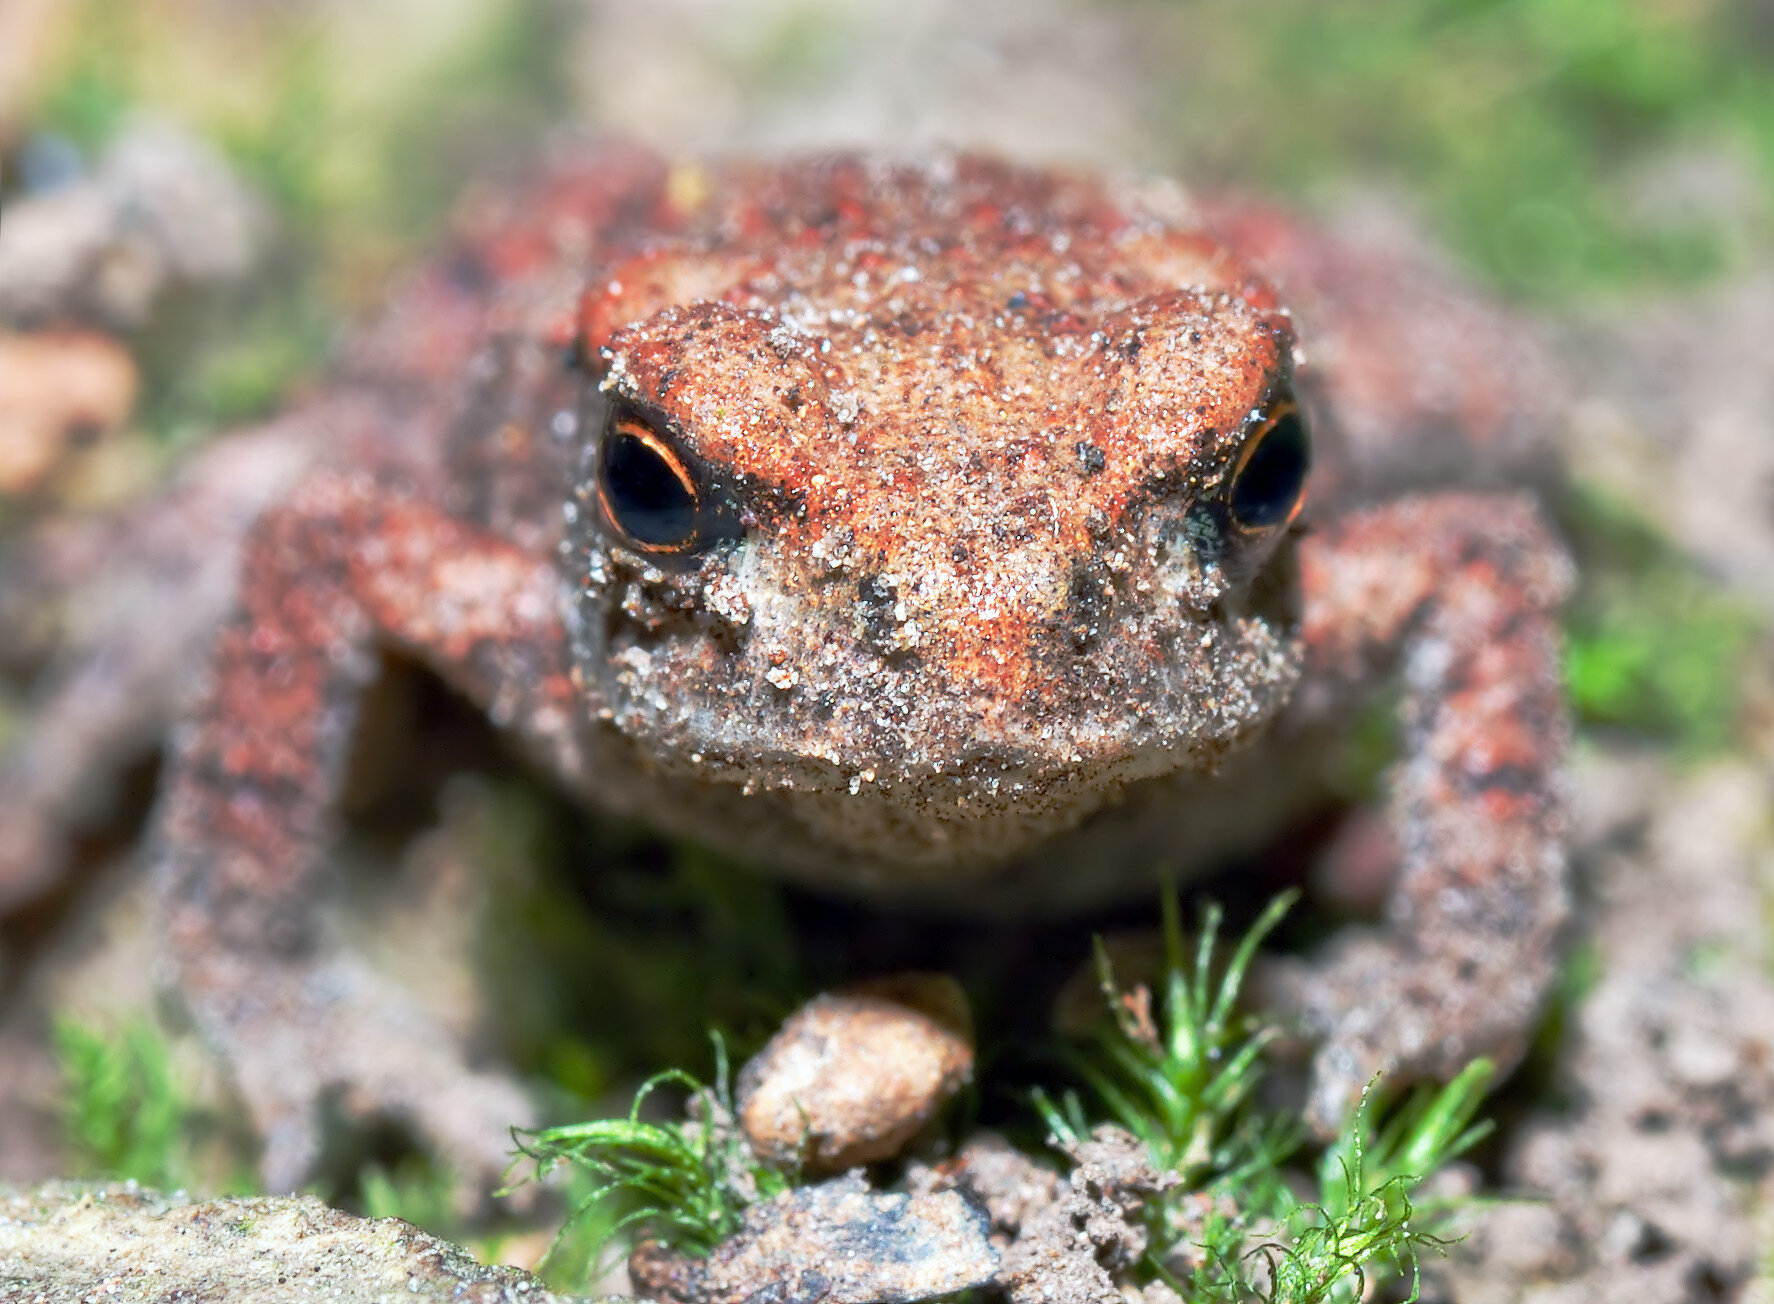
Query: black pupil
pixel 1268 487
pixel 645 495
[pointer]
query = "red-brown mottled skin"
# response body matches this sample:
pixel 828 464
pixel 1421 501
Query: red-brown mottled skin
pixel 983 629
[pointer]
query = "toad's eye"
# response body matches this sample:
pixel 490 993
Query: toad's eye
pixel 1269 483
pixel 650 491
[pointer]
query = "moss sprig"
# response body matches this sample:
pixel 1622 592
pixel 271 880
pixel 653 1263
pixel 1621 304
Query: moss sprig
pixel 686 1183
pixel 1183 1080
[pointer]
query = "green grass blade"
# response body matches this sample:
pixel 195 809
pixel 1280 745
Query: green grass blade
pixel 1233 981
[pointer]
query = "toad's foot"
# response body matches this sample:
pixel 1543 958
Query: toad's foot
pixel 1384 1013
pixel 1454 594
pixel 303 1034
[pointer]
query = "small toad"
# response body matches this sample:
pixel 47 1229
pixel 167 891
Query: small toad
pixel 940 533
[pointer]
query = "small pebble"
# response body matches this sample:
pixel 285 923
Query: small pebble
pixel 853 1076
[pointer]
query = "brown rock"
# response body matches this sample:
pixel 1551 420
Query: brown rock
pixel 1071 1251
pixel 56 390
pixel 854 1075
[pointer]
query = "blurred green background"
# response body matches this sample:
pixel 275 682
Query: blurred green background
pixel 1546 140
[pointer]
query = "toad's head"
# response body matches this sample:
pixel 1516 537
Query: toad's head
pixel 934 505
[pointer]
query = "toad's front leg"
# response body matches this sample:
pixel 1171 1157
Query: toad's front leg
pixel 1454 594
pixel 248 807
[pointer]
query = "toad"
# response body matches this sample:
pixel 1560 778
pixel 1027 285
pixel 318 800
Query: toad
pixel 941 533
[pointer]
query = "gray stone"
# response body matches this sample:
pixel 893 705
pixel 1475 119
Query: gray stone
pixel 837 1243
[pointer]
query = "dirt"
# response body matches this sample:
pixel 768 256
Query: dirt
pixel 121 1243
pixel 1073 1250
pixel 1653 1178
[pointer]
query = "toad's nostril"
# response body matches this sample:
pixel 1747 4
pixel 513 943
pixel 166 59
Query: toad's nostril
pixel 1087 606
pixel 883 620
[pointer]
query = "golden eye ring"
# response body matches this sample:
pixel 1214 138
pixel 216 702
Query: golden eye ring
pixel 649 491
pixel 1268 485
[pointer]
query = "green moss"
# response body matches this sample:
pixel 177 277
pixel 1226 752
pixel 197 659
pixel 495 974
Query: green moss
pixel 1180 1078
pixel 1518 123
pixel 247 375
pixel 798 47
pixel 413 1189
pixel 123 1115
pixel 94 90
pixel 1367 749
pixel 281 143
pixel 1651 645
pixel 685 1184
pixel 1183 1077
pixel 361 172
pixel 1578 976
